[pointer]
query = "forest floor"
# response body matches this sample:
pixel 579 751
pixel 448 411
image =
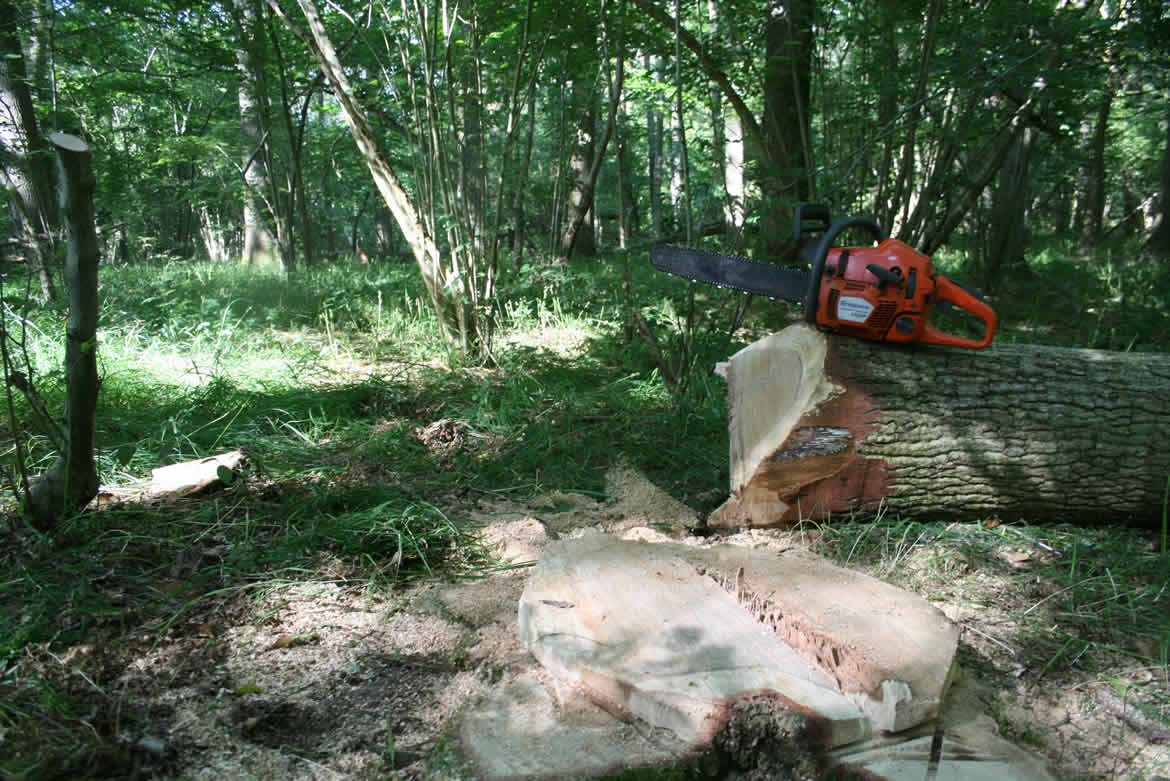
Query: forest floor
pixel 326 678
pixel 340 609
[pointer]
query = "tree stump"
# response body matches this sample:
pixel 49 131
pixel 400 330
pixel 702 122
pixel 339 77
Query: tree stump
pixel 717 643
pixel 822 424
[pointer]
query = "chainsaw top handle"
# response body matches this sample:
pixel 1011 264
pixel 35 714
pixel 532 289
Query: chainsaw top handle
pixel 821 254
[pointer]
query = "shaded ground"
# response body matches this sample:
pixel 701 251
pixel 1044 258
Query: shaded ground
pixel 329 679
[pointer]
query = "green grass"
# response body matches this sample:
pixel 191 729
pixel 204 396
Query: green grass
pixel 330 381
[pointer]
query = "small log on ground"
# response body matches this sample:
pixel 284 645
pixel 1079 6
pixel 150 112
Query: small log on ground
pixel 823 424
pixel 189 477
pixel 716 643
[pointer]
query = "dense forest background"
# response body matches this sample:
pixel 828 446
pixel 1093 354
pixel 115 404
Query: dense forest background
pixel 495 134
pixel 394 254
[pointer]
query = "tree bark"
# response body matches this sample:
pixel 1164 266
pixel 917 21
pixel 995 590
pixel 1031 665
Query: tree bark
pixel 583 105
pixel 823 424
pixel 29 172
pixel 72 481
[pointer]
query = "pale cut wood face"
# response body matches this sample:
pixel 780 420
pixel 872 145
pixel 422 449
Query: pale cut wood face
pixel 680 637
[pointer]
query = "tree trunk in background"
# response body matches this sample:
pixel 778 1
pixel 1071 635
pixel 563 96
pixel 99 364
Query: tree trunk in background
pixel 728 137
pixel 27 166
pixel 996 152
pixel 518 218
pixel 260 231
pixel 583 106
pixel 293 218
pixel 906 182
pixel 1009 211
pixel 1094 183
pixel 622 185
pixel 471 185
pixel 654 145
pixel 72 481
pixel 735 203
pixel 588 155
pixel 885 86
pixel 822 424
pixel 1159 240
pixel 715 102
pixel 787 169
pixel 683 165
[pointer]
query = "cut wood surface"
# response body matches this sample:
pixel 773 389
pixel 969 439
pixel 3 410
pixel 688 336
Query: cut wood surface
pixel 682 637
pixel 822 424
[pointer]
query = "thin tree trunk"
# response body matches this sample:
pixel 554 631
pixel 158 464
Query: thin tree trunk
pixel 622 184
pixel 654 146
pixel 735 204
pixel 996 154
pixel 518 218
pixel 906 181
pixel 684 164
pixel 885 86
pixel 507 177
pixel 718 133
pixel 1159 240
pixel 293 201
pixel 72 481
pixel 580 198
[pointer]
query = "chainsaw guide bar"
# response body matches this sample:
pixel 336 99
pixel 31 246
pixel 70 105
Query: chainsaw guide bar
pixel 731 271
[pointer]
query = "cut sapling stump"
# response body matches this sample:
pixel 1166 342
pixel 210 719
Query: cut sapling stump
pixel 823 424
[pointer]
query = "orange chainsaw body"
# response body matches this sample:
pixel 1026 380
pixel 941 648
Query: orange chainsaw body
pixel 886 293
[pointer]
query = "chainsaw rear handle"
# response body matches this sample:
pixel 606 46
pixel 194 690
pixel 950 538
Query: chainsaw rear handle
pixel 946 291
pixel 812 297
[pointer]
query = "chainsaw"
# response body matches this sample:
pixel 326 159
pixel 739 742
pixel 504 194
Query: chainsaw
pixel 884 292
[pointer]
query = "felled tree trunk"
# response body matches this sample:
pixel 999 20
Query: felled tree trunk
pixel 822 424
pixel 72 481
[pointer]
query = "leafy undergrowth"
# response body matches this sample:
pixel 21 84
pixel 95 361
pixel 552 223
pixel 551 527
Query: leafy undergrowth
pixel 369 444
